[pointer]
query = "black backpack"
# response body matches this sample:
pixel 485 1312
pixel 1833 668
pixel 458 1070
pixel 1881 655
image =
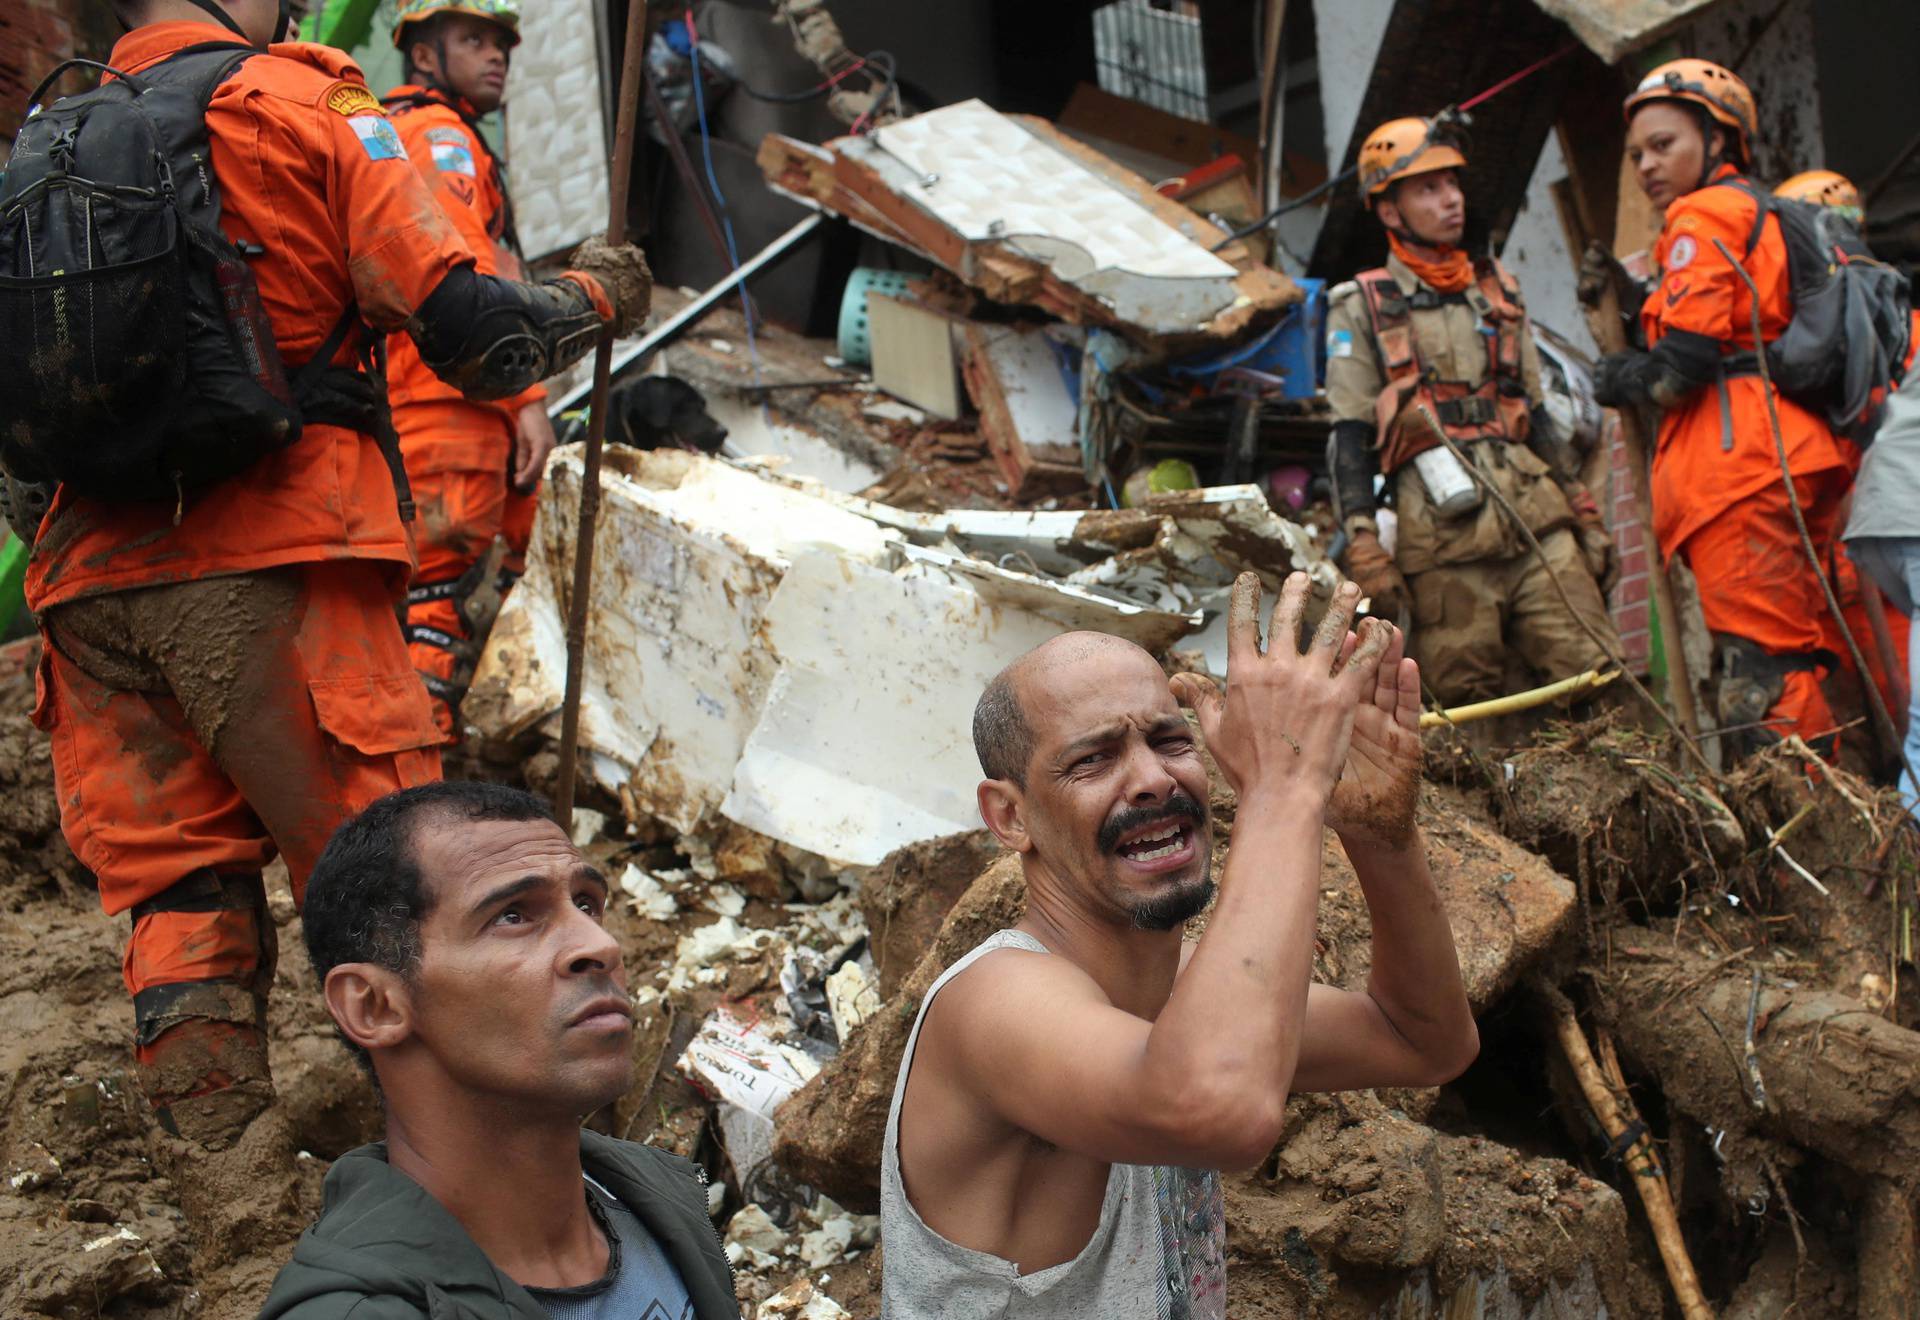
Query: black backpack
pixel 1847 341
pixel 141 364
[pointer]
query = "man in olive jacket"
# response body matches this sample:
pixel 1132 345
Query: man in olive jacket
pixel 457 935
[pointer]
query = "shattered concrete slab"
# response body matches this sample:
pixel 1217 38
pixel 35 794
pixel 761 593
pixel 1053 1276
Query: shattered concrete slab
pixel 1613 28
pixel 1182 552
pixel 767 655
pixel 1027 215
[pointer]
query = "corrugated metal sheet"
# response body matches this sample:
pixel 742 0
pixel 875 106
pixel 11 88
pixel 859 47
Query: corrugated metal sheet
pixel 556 126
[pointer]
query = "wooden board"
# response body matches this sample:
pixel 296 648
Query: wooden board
pixel 913 354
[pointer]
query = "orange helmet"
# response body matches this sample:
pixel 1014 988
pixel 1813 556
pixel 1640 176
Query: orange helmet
pixel 1403 147
pixel 1824 188
pixel 504 13
pixel 1703 83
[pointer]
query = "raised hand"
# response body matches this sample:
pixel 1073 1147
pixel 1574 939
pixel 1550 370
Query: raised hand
pixel 1379 787
pixel 1284 724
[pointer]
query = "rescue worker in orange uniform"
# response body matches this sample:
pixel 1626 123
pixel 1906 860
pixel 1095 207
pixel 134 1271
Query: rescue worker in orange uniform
pixel 1827 188
pixel 1719 501
pixel 223 678
pixel 1437 342
pixel 475 466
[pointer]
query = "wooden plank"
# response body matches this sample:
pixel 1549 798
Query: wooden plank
pixel 1185 141
pixel 1029 435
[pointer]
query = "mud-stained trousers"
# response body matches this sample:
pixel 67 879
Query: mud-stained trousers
pixel 1774 638
pixel 460 512
pixel 198 729
pixel 1468 618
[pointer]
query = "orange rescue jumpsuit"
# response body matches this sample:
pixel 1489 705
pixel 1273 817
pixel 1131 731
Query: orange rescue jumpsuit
pixel 1718 499
pixel 186 755
pixel 459 453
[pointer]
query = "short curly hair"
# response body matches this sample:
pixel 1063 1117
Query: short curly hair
pixel 366 897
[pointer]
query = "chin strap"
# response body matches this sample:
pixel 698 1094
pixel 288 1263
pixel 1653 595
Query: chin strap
pixel 227 20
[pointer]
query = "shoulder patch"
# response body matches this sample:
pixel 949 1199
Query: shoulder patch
pixel 345 98
pixel 1680 255
pixel 451 158
pixel 1339 343
pixel 452 137
pixel 378 137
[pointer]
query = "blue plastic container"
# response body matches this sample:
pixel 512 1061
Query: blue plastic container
pixel 1294 349
pixel 856 348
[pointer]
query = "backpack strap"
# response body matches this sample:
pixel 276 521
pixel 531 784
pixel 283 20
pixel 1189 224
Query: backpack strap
pixel 1763 202
pixel 34 97
pixel 354 397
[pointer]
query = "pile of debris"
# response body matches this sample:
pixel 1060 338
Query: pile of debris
pixel 1733 959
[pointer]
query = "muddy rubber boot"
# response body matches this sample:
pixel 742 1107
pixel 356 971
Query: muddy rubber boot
pixel 206 1079
pixel 226 1147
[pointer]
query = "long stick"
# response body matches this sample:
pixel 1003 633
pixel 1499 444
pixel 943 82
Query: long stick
pixel 1603 319
pixel 1273 94
pixel 1640 1159
pixel 1518 701
pixel 631 73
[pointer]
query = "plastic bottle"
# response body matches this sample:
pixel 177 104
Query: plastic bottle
pixel 1451 490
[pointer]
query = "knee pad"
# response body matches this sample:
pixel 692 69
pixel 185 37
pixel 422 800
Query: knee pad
pixel 200 1042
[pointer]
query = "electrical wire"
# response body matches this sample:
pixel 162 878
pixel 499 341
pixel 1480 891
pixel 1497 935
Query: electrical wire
pixel 719 197
pixel 817 90
pixel 887 86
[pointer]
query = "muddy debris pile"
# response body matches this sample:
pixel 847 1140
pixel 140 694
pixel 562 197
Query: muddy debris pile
pixel 1698 1090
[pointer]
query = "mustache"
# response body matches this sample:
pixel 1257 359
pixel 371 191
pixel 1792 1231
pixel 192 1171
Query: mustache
pixel 1178 807
pixel 598 987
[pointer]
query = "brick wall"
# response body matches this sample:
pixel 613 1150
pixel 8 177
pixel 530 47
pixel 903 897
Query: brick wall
pixel 1631 601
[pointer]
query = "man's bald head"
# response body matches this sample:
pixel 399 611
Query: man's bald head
pixel 1002 733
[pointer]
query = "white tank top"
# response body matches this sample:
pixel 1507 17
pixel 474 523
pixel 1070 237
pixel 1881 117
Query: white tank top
pixel 1158 1252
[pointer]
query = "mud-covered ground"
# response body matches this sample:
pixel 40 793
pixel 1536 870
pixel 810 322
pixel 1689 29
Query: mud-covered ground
pixel 1492 1196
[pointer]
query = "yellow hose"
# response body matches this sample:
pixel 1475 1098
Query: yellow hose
pixel 1590 681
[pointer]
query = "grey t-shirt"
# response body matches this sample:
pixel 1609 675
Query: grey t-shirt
pixel 1158 1252
pixel 640 1282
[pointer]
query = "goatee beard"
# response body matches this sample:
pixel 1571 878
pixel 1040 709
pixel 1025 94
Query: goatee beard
pixel 1175 907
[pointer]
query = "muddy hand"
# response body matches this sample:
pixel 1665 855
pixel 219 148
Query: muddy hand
pixel 1284 722
pixel 1379 787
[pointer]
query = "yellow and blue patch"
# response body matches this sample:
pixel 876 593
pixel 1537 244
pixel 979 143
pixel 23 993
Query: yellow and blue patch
pixel 451 159
pixel 377 137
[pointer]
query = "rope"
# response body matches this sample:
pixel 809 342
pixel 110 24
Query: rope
pixel 1293 204
pixel 1513 78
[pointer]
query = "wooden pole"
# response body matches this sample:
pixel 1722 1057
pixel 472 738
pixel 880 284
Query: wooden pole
pixel 632 72
pixel 1640 1160
pixel 1603 319
pixel 1272 92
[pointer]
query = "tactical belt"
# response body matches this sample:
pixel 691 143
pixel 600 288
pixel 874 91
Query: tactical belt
pixel 207 890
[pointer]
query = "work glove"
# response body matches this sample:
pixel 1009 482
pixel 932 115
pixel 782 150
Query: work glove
pixel 1369 565
pixel 1599 270
pixel 1620 381
pixel 1596 545
pixel 622 276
